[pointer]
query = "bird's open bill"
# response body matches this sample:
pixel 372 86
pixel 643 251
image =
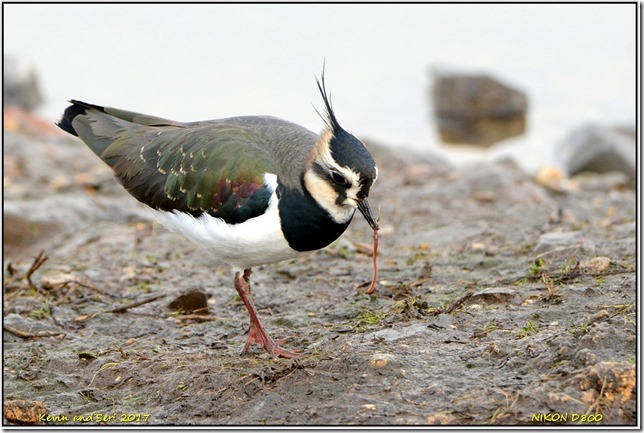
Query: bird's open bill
pixel 365 209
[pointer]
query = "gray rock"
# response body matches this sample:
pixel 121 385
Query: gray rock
pixel 31 326
pixel 600 149
pixel 560 250
pixel 551 242
pixel 603 182
pixel 33 224
pixel 391 334
pixel 20 84
pixel 495 295
pixel 584 358
pixel 476 109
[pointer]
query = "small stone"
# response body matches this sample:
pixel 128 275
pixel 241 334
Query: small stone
pixel 585 357
pixel 494 295
pixel 24 411
pixel 601 315
pixel 555 180
pixel 557 257
pixel 596 265
pixel 478 246
pixel 563 241
pixel 380 360
pixel 547 175
pixel 192 301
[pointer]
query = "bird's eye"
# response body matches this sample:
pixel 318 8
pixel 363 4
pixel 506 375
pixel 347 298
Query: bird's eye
pixel 338 178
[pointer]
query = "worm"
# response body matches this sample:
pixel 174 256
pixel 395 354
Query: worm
pixel 372 287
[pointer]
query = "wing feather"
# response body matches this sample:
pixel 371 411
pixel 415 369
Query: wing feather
pixel 210 167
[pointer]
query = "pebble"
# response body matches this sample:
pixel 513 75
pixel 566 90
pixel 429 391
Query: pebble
pixel 24 411
pixel 380 360
pixel 601 315
pixel 585 357
pixel 595 265
pixel 552 240
pixel 493 295
pixel 192 301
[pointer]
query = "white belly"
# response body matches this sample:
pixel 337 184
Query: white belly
pixel 254 242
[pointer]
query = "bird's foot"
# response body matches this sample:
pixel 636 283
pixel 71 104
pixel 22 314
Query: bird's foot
pixel 256 332
pixel 259 336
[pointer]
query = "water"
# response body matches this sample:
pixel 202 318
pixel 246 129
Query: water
pixel 576 62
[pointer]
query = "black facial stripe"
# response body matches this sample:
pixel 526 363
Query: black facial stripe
pixel 342 194
pixel 365 187
pixel 340 190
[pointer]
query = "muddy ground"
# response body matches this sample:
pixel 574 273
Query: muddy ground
pixel 502 299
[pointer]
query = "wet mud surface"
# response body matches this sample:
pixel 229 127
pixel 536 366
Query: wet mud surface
pixel 501 299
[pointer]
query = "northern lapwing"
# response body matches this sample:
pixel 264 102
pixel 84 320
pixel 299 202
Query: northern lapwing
pixel 250 190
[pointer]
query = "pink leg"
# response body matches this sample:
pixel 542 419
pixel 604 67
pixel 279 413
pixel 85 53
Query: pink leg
pixel 256 332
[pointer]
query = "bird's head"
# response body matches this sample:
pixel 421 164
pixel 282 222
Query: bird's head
pixel 341 170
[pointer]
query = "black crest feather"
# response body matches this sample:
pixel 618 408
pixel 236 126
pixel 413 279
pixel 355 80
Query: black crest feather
pixel 330 118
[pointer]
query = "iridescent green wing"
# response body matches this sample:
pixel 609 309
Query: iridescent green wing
pixel 214 168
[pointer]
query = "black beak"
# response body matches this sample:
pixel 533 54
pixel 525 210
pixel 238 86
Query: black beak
pixel 363 206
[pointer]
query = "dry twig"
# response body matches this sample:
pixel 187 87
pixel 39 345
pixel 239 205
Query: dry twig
pixel 124 308
pixel 27 334
pixel 121 309
pixel 199 317
pixel 37 263
pixel 454 305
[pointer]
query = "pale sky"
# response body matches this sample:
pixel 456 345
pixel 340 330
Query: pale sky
pixel 193 62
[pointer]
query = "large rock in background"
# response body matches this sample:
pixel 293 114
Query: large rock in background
pixel 599 149
pixel 476 109
pixel 20 84
pixel 21 96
